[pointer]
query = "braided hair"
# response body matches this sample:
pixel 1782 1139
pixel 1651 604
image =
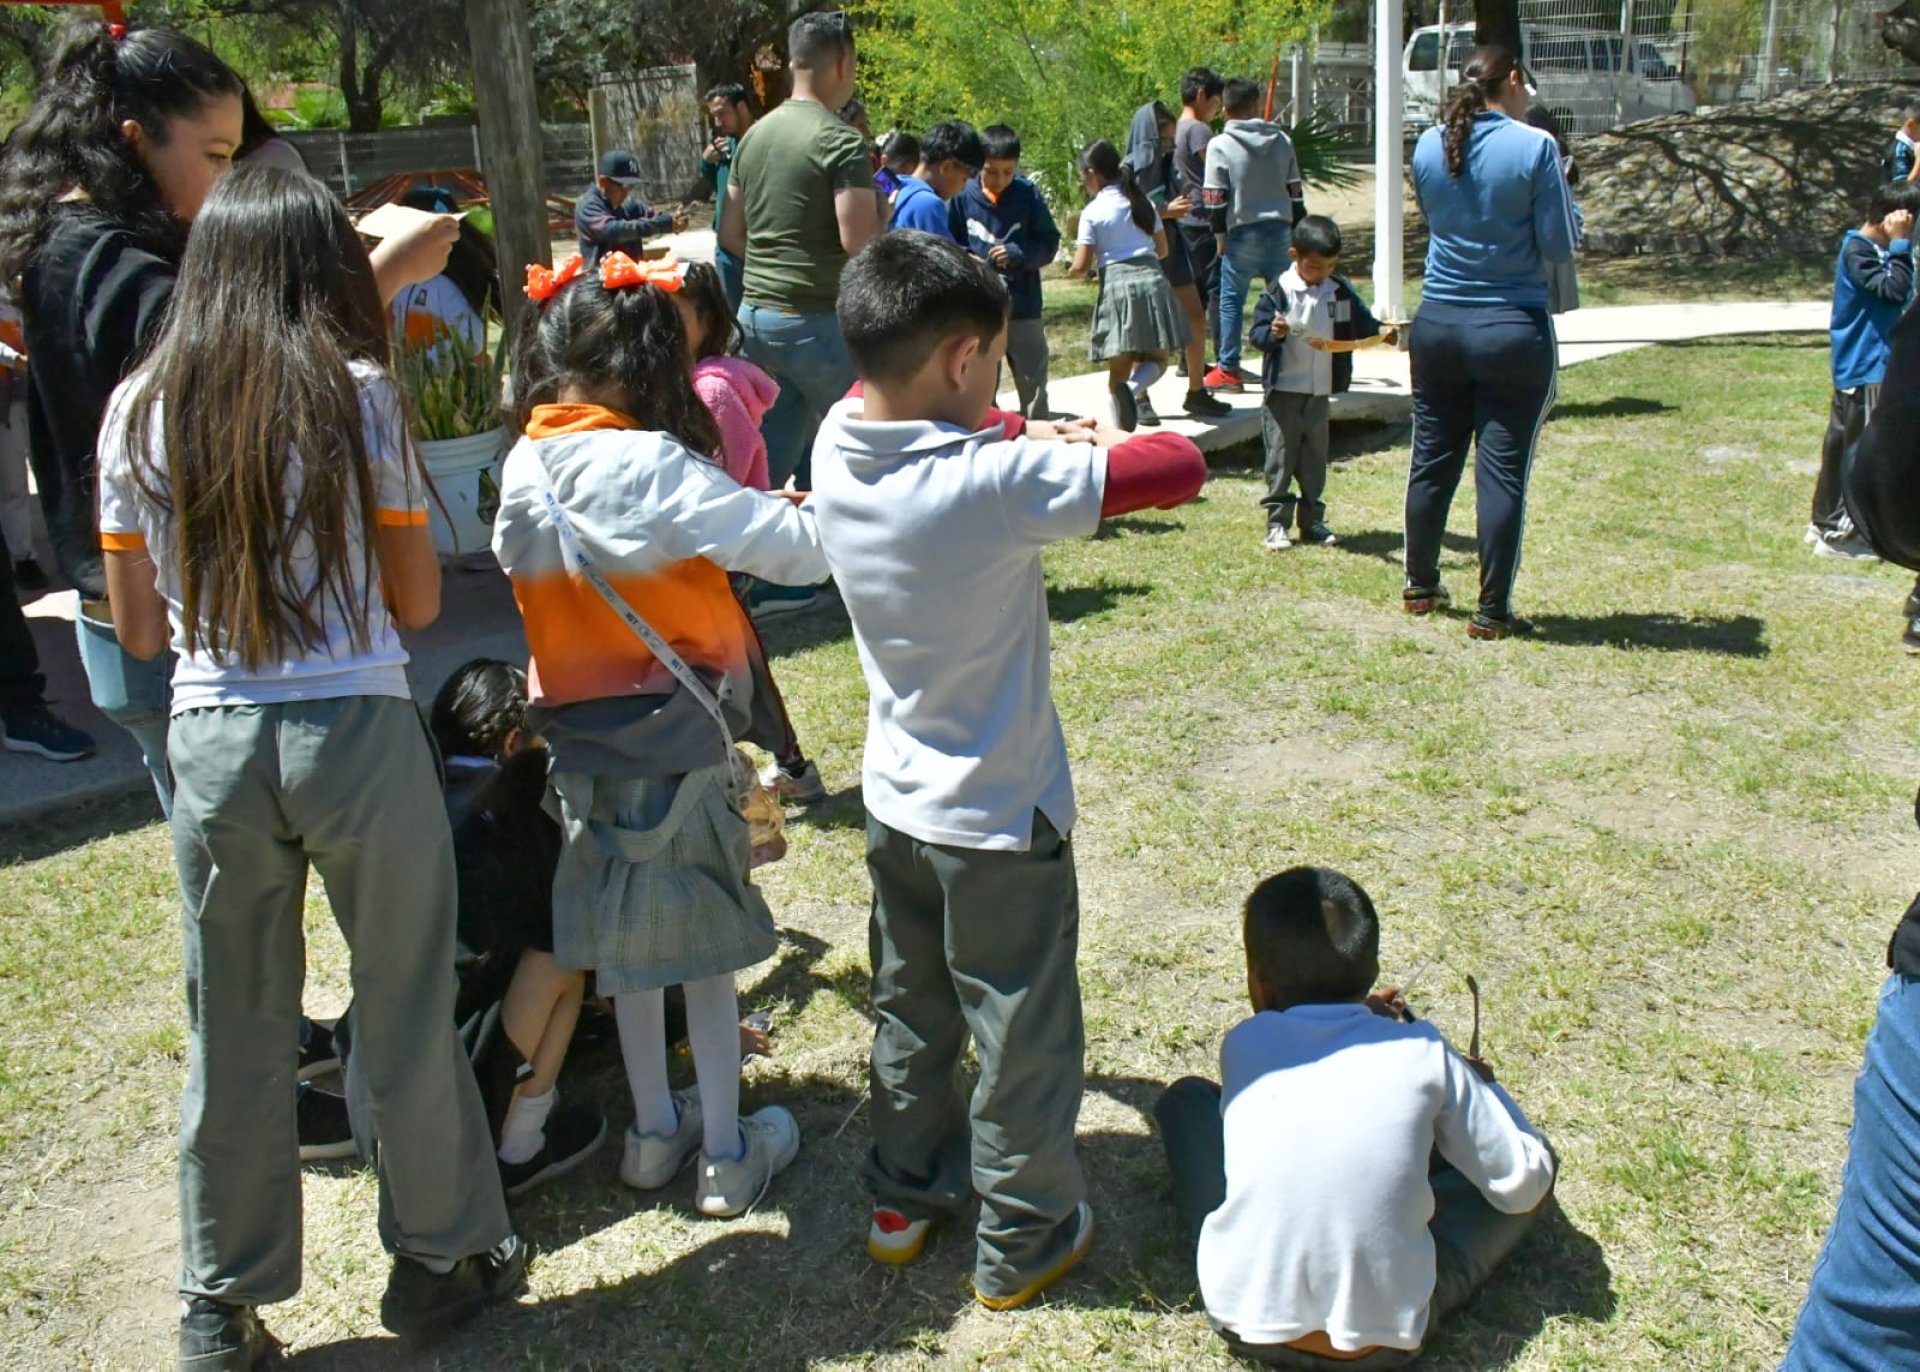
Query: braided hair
pixel 1489 69
pixel 480 705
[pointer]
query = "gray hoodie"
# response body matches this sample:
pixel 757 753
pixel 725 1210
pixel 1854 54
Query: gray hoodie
pixel 1252 176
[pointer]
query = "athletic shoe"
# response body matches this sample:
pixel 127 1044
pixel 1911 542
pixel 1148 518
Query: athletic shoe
pixel 1082 1242
pixel 421 1306
pixel 1424 600
pixel 1913 603
pixel 574 1134
pixel 1810 534
pixel 1125 414
pixel 1277 540
pixel 1488 627
pixel 650 1161
pixel 217 1337
pixel 1318 534
pixel 1850 546
pixel 1203 406
pixel 894 1239
pixel 326 1135
pixel 28 576
pixel 768 601
pixel 1220 379
pixel 33 728
pixel 1143 410
pixel 803 787
pixel 1910 640
pixel 729 1187
pixel 318 1056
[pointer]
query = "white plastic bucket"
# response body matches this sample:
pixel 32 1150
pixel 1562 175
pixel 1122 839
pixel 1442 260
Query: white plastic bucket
pixel 466 474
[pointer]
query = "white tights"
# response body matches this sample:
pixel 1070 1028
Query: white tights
pixel 713 1026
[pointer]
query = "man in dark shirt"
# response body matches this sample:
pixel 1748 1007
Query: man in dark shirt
pixel 611 217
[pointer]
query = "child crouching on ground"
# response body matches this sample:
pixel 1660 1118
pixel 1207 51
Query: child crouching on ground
pixel 611 510
pixel 934 509
pixel 1353 1179
pixel 1308 324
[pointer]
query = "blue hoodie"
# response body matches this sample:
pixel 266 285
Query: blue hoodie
pixel 1018 221
pixel 919 206
pixel 1870 288
pixel 1494 228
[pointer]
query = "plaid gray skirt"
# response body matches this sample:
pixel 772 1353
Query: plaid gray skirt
pixel 652 888
pixel 1136 312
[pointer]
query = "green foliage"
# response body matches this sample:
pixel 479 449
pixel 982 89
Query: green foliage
pixel 451 391
pixel 1063 73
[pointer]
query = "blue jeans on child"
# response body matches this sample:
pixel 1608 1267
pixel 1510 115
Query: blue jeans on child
pixel 807 356
pixel 133 694
pixel 1863 1305
pixel 1253 250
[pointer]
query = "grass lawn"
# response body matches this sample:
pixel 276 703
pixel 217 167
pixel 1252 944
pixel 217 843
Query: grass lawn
pixel 1670 838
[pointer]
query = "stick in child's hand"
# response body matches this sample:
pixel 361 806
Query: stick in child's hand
pixel 1473 989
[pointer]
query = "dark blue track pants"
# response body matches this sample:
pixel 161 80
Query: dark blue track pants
pixel 1481 373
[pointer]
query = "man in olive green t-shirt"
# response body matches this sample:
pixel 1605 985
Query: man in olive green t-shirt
pixel 801 203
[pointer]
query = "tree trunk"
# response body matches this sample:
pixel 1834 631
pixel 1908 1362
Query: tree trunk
pixel 1902 29
pixel 362 97
pixel 510 140
pixel 1497 22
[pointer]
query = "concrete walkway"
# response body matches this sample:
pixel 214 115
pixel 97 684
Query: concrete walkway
pixel 479 619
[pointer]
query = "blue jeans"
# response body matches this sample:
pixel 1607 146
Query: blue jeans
pixel 732 276
pixel 1863 1305
pixel 806 355
pixel 1253 250
pixel 133 694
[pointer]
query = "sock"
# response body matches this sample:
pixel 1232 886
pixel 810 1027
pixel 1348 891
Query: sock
pixel 713 1030
pixel 524 1133
pixel 642 1017
pixel 1144 375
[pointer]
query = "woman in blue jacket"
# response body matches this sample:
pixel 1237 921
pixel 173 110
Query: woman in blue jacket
pixel 1484 358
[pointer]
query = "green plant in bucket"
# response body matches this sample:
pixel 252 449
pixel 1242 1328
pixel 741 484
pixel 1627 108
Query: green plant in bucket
pixel 452 391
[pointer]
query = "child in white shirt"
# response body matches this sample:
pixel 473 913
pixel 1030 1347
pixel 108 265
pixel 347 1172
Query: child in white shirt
pixel 1354 1178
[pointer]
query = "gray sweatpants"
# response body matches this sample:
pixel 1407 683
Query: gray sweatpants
pixel 261 791
pixel 968 941
pixel 1027 360
pixel 1294 426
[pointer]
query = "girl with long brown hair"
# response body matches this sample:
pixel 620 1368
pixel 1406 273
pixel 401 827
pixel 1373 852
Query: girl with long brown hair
pixel 262 512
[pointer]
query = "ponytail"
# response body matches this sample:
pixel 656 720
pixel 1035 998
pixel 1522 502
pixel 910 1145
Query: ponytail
pixel 1144 216
pixel 1487 70
pixel 1103 160
pixel 70 139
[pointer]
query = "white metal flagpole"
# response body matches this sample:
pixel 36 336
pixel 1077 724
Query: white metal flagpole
pixel 1389 161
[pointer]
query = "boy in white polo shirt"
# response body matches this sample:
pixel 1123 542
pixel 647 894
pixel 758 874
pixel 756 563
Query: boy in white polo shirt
pixel 1354 1179
pixel 933 509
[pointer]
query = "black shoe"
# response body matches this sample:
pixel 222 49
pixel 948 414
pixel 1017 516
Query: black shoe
pixel 1913 602
pixel 1126 414
pixel 1424 600
pixel 1485 626
pixel 318 1056
pixel 1910 640
pixel 27 576
pixel 422 1306
pixel 1320 534
pixel 1206 406
pixel 325 1133
pixel 33 728
pixel 217 1337
pixel 1144 413
pixel 574 1134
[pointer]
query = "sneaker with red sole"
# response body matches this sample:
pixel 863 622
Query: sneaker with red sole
pixel 894 1239
pixel 1220 379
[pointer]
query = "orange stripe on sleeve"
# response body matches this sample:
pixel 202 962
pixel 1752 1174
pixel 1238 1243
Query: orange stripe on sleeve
pixel 124 543
pixel 402 519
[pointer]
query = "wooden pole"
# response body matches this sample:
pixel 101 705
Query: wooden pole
pixel 1389 161
pixel 510 137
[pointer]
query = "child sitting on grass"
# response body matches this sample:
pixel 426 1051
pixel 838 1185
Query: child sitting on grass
pixel 1308 324
pixel 1354 1179
pixel 933 510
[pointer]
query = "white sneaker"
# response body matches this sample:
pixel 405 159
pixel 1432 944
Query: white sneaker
pixel 1811 534
pixel 1144 412
pixel 1277 540
pixel 729 1187
pixel 1850 546
pixel 652 1161
pixel 798 788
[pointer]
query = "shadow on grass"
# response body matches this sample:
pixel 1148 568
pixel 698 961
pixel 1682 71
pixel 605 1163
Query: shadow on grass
pixel 797 633
pixel 1725 635
pixel 1619 407
pixel 1127 526
pixel 1386 544
pixel 30 840
pixel 1067 604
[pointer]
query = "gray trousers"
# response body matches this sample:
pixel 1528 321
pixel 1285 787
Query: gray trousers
pixel 1294 427
pixel 968 941
pixel 1027 360
pixel 261 791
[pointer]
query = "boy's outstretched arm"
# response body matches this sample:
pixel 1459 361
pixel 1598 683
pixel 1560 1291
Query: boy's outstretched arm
pixel 1151 472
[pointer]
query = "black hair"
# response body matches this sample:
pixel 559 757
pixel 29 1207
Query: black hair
pixel 906 293
pixel 624 348
pixel 1000 143
pixel 1312 937
pixel 1488 69
pixel 473 266
pixel 70 139
pixel 900 150
pixel 1910 113
pixel 1317 235
pixel 1200 82
pixel 1891 198
pixel 1103 160
pixel 482 703
pixel 255 127
pixel 952 140
pixel 707 294
pixel 819 39
pixel 1241 98
pixel 730 91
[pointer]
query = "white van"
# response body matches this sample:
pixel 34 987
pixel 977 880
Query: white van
pixel 1583 75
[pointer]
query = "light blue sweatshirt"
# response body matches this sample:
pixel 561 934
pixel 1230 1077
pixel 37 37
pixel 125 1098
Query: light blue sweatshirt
pixel 1493 228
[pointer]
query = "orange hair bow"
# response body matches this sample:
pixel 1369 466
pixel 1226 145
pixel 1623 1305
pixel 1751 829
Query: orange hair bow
pixel 662 273
pixel 543 283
